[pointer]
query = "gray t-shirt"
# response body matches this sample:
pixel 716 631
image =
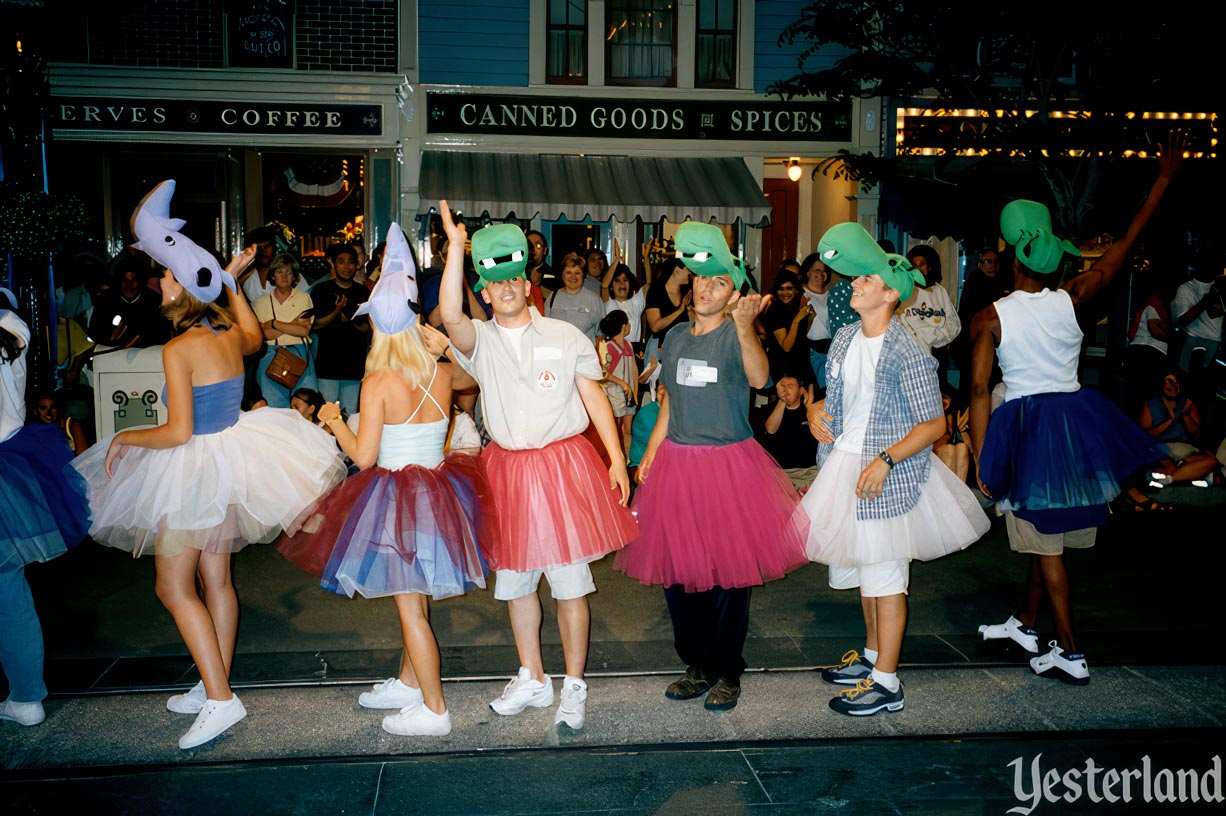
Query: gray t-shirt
pixel 583 310
pixel 708 392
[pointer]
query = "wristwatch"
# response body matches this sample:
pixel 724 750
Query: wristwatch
pixel 885 457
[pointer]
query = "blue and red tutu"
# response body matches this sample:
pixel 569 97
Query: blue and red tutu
pixel 42 501
pixel 1058 460
pixel 389 532
pixel 715 516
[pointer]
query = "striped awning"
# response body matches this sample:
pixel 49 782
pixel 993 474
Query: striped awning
pixel 553 186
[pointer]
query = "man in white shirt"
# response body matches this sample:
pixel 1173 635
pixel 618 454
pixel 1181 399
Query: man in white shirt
pixel 1197 309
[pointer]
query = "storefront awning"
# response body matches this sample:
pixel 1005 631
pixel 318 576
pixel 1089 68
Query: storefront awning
pixel 553 186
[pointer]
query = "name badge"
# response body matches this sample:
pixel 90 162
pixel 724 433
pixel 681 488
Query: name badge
pixel 695 373
pixel 835 368
pixel 548 353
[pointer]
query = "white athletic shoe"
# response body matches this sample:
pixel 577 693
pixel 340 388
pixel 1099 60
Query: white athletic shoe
pixel 391 693
pixel 214 718
pixel 418 721
pixel 189 703
pixel 573 709
pixel 22 713
pixel 1061 665
pixel 1014 630
pixel 524 692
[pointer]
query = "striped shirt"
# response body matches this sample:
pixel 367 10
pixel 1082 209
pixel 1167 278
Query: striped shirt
pixel 906 393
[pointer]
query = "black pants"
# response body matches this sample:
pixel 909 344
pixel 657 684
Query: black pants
pixel 709 629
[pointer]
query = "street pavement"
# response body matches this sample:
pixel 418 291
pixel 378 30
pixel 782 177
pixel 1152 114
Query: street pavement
pixel 972 707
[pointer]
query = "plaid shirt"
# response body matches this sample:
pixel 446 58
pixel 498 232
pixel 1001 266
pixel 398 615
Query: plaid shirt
pixel 906 393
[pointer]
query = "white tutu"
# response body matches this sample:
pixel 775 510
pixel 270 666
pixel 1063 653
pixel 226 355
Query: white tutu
pixel 216 493
pixel 945 519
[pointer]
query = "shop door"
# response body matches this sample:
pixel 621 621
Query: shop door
pixel 779 239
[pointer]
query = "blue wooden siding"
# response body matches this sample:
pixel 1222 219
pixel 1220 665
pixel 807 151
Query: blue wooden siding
pixel 773 61
pixel 478 42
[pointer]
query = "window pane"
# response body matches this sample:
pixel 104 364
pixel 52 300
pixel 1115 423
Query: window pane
pixel 640 40
pixel 727 13
pixel 715 50
pixel 566 40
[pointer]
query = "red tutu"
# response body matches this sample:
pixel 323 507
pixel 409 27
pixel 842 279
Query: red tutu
pixel 715 516
pixel 387 532
pixel 554 505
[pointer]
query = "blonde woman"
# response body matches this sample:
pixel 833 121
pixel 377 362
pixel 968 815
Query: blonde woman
pixel 211 479
pixel 414 523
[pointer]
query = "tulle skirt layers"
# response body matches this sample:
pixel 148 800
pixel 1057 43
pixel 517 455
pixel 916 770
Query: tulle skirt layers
pixel 715 516
pixel 217 492
pixel 42 501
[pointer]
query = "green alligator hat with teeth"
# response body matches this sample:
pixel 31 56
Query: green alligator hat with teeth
pixel 704 251
pixel 848 249
pixel 500 252
pixel 1026 225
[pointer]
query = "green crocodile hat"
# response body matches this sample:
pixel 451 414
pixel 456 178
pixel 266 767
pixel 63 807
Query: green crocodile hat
pixel 1026 225
pixel 704 251
pixel 901 275
pixel 848 249
pixel 500 252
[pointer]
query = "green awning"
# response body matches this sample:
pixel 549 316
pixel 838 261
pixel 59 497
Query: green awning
pixel 553 186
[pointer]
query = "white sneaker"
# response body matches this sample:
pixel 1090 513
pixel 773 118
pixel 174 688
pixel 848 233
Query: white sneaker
pixel 523 692
pixel 1014 630
pixel 214 718
pixel 22 713
pixel 573 709
pixel 189 703
pixel 418 721
pixel 1061 665
pixel 391 693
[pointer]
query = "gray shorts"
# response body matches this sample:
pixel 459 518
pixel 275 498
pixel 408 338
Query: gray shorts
pixel 1024 538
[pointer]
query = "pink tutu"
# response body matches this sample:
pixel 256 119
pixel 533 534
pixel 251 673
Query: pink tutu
pixel 945 519
pixel 715 516
pixel 554 505
pixel 389 532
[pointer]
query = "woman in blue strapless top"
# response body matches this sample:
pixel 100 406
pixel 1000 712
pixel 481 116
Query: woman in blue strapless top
pixel 211 479
pixel 413 524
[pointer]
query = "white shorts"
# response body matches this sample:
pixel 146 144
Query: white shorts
pixel 565 583
pixel 874 580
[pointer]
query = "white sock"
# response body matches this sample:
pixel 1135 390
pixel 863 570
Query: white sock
pixel 888 681
pixel 870 655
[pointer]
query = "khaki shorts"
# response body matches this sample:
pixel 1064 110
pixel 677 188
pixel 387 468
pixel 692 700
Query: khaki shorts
pixel 801 477
pixel 874 580
pixel 566 582
pixel 1024 538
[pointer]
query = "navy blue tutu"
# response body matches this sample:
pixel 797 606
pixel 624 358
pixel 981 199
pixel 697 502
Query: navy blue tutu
pixel 42 500
pixel 1057 460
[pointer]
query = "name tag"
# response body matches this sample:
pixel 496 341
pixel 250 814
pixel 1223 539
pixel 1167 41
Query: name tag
pixel 696 373
pixel 548 353
pixel 835 368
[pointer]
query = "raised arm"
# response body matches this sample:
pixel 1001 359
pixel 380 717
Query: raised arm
pixel 451 290
pixel 1085 286
pixel 757 367
pixel 244 319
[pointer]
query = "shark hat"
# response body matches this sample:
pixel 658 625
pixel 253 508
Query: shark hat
pixel 704 251
pixel 390 305
pixel 1026 226
pixel 500 252
pixel 158 236
pixel 6 293
pixel 848 249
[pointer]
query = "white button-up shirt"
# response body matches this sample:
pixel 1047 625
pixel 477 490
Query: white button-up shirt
pixel 529 399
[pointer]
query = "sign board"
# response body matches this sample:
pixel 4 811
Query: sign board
pixel 260 34
pixel 214 116
pixel 665 118
pixel 127 389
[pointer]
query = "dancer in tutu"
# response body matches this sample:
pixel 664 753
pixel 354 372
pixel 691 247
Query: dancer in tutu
pixel 42 514
pixel 412 523
pixel 210 480
pixel 881 498
pixel 1054 454
pixel 716 512
pixel 557 507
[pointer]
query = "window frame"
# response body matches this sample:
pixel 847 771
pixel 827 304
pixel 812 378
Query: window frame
pixel 568 27
pixel 699 31
pixel 611 81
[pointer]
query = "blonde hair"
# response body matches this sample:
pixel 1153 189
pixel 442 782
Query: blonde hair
pixel 402 352
pixel 187 310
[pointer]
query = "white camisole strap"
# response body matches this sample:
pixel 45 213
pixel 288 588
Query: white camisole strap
pixel 428 396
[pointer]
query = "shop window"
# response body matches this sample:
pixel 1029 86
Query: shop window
pixel 641 43
pixel 566 42
pixel 715 45
pixel 319 198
